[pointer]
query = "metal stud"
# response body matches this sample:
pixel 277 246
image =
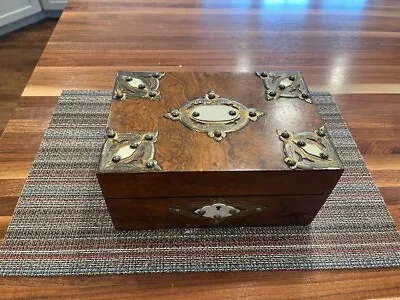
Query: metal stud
pixel 156 75
pixel 258 209
pixel 232 112
pixel 148 137
pixel 134 145
pixel 264 74
pixel 272 94
pixel 233 211
pixel 150 164
pixel 195 114
pixel 321 133
pixel 252 113
pixel 324 155
pixel 128 78
pixel 110 133
pixel 217 133
pixel 141 86
pixel 119 95
pixel 282 86
pixel 304 95
pixel 211 95
pixel 292 78
pixel 152 94
pixel 301 143
pixel 291 162
pixel 116 158
pixel 175 113
pixel 285 135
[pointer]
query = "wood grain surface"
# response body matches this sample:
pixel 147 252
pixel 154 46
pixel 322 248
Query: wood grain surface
pixel 19 53
pixel 350 48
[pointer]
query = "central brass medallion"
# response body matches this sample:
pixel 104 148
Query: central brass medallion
pixel 214 115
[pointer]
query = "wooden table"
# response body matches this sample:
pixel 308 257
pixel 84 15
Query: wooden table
pixel 350 48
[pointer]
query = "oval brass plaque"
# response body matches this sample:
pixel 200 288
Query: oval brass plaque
pixel 214 115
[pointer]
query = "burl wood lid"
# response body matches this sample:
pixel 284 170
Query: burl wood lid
pixel 226 128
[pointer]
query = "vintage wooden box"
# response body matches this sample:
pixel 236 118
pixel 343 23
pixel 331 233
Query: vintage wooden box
pixel 215 149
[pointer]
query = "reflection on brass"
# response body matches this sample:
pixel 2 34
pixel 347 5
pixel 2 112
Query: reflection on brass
pixel 137 85
pixel 129 152
pixel 214 115
pixel 309 150
pixel 217 210
pixel 284 85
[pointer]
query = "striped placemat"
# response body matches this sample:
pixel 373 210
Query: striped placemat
pixel 61 225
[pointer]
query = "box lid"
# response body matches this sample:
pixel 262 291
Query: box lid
pixel 215 134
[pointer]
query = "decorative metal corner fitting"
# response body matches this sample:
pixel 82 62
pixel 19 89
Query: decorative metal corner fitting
pixel 309 150
pixel 129 152
pixel 284 85
pixel 217 211
pixel 137 85
pixel 214 115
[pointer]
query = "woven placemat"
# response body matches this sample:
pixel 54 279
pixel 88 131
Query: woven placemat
pixel 61 225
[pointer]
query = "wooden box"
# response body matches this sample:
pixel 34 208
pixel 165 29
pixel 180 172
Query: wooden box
pixel 192 149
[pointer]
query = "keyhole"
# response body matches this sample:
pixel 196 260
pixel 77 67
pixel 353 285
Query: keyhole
pixel 218 207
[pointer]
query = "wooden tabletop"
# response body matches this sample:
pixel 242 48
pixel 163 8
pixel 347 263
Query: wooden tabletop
pixel 350 48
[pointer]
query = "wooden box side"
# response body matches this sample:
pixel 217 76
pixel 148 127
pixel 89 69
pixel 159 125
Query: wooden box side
pixel 146 213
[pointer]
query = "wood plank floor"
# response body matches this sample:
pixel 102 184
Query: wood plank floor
pixel 19 53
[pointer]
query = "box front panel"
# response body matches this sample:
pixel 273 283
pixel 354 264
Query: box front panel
pixel 148 213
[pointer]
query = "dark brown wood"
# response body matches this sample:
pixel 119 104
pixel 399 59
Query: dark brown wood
pixel 150 213
pixel 187 184
pixel 353 55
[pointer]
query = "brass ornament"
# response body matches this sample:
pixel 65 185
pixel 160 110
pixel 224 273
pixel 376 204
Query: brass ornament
pixel 217 210
pixel 129 152
pixel 214 115
pixel 284 85
pixel 137 85
pixel 309 150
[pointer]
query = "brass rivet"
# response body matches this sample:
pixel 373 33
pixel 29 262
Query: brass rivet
pixel 301 143
pixel 232 112
pixel 291 162
pixel 282 86
pixel 324 155
pixel 258 209
pixel 264 74
pixel 321 133
pixel 134 145
pixel 128 78
pixel 156 75
pixel 292 78
pixel 116 158
pixel 195 114
pixel 211 95
pixel 175 113
pixel 141 86
pixel 148 137
pixel 150 164
pixel 304 95
pixel 217 133
pixel 285 135
pixel 152 94
pixel 252 113
pixel 272 94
